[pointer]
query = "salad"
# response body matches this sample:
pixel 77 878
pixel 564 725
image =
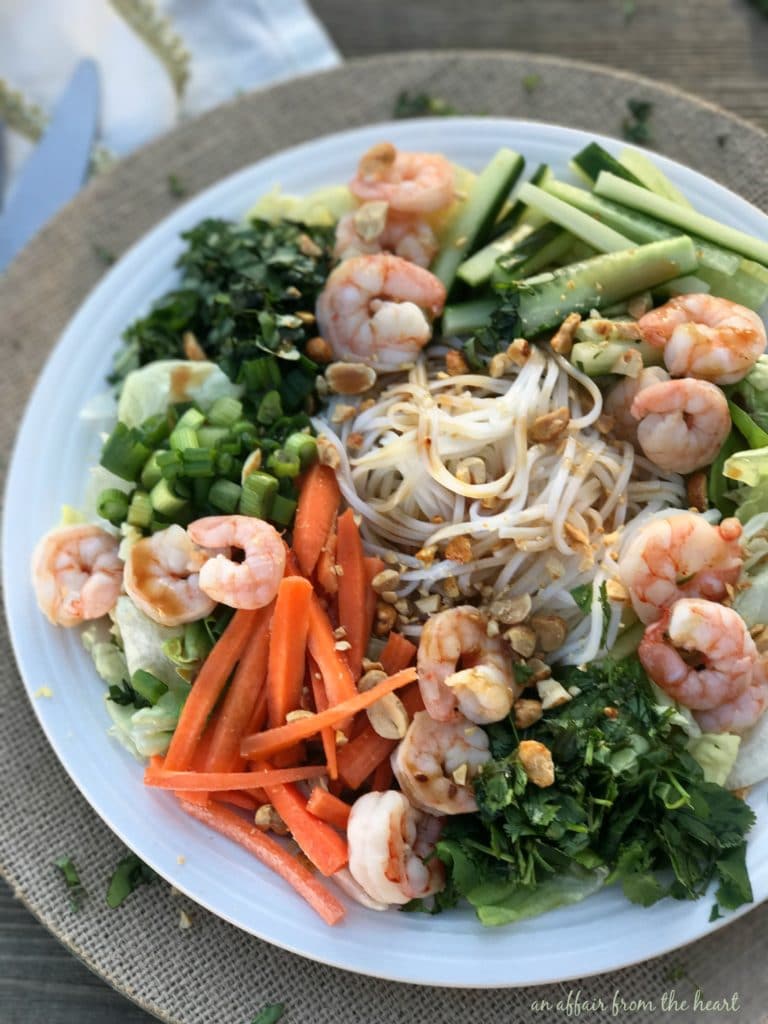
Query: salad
pixel 426 556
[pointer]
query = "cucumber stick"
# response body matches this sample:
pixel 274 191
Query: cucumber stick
pixel 593 159
pixel 639 227
pixel 519 213
pixel 548 246
pixel 580 224
pixel 488 195
pixel 542 302
pixel 610 187
pixel 648 174
pixel 478 268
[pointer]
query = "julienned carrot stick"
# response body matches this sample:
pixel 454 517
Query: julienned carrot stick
pixel 207 688
pixel 237 798
pixel 328 736
pixel 318 503
pixel 325 570
pixel 381 780
pixel 264 744
pixel 317 840
pixel 272 854
pixel 234 716
pixel 359 758
pixel 373 566
pixel 287 647
pixel 337 678
pixel 222 781
pixel 398 652
pixel 353 588
pixel 327 807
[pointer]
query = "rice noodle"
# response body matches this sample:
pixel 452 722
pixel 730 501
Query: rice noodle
pixel 542 517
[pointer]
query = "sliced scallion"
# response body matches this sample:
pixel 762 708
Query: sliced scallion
pixel 283 510
pixel 303 446
pixel 140 510
pixel 148 685
pixel 225 411
pixel 224 495
pixel 112 505
pixel 270 408
pixel 284 464
pixel 124 452
pixel 165 500
pixel 258 495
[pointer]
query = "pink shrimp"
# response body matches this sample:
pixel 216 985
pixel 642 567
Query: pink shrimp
pixel 705 337
pixel 618 401
pixel 77 573
pixel 378 309
pixel 679 555
pixel 717 637
pixel 251 583
pixel 682 423
pixel 373 228
pixel 739 714
pixel 409 182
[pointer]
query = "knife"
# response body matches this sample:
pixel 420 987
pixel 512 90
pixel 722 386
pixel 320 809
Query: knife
pixel 56 169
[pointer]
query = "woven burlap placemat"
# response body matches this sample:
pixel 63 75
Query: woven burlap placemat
pixel 212 973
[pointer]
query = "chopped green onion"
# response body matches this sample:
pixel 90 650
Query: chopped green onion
pixel 283 510
pixel 155 429
pixel 165 500
pixel 303 446
pixel 140 510
pixel 148 685
pixel 210 437
pixel 270 408
pixel 201 488
pixel 260 374
pixel 129 874
pixel 151 472
pixel 169 464
pixel 112 505
pixel 124 452
pixel 67 868
pixel 183 437
pixel 227 465
pixel 258 495
pixel 224 495
pixel 284 464
pixel 225 411
pixel 197 462
pixel 192 418
pixel 269 1014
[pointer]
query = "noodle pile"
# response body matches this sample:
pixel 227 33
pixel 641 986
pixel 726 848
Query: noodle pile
pixel 499 486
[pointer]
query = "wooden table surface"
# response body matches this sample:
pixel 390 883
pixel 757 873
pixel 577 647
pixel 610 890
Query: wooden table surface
pixel 717 49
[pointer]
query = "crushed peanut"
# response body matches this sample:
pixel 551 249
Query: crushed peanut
pixel 318 350
pixel 426 555
pixel 327 455
pixel 266 819
pixel 389 718
pixel 510 610
pixel 459 549
pixel 387 579
pixel 629 363
pixel 471 470
pixel 350 378
pixel 562 341
pixel 537 763
pixel 451 587
pixel 518 352
pixel 551 631
pixel 499 364
pixel 460 774
pixel 342 413
pixel 297 716
pixel 386 617
pixel 527 712
pixel 522 639
pixel 355 442
pixel 550 426
pixel 308 247
pixel 193 350
pixel 616 591
pixel 552 694
pixel 455 363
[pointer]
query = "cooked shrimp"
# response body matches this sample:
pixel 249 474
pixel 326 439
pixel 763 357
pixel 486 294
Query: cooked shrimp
pixel 740 714
pixel 162 577
pixel 618 401
pixel 435 764
pixel 388 843
pixel 251 583
pixel 716 637
pixel 706 337
pixel 683 423
pixel 76 573
pixel 484 689
pixel 679 555
pixel 373 228
pixel 378 310
pixel 409 182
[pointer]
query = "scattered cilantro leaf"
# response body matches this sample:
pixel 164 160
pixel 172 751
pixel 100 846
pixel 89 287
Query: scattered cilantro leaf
pixel 130 873
pixel 176 186
pixel 126 696
pixel 104 254
pixel 271 1014
pixel 635 127
pixel 421 104
pixel 66 866
pixel 531 82
pixel 582 595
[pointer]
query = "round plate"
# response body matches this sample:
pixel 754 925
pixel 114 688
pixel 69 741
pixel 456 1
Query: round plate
pixel 452 949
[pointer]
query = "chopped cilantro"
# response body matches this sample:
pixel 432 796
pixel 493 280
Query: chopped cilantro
pixel 67 867
pixel 271 1014
pixel 635 126
pixel 531 82
pixel 106 256
pixel 421 104
pixel 176 186
pixel 125 695
pixel 130 873
pixel 628 805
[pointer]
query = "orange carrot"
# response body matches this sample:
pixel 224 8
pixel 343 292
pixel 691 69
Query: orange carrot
pixel 325 571
pixel 287 646
pixel 273 855
pixel 294 755
pixel 381 780
pixel 222 781
pixel 318 502
pixel 237 708
pixel 292 567
pixel 337 678
pixel 265 744
pixel 328 736
pixel 359 758
pixel 398 652
pixel 246 799
pixel 327 807
pixel 325 848
pixel 353 588
pixel 207 687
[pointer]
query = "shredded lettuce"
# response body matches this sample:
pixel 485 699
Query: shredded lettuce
pixel 151 389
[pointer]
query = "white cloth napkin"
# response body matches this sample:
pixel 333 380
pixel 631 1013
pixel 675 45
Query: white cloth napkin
pixel 234 45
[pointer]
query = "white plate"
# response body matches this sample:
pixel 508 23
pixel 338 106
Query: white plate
pixel 48 468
